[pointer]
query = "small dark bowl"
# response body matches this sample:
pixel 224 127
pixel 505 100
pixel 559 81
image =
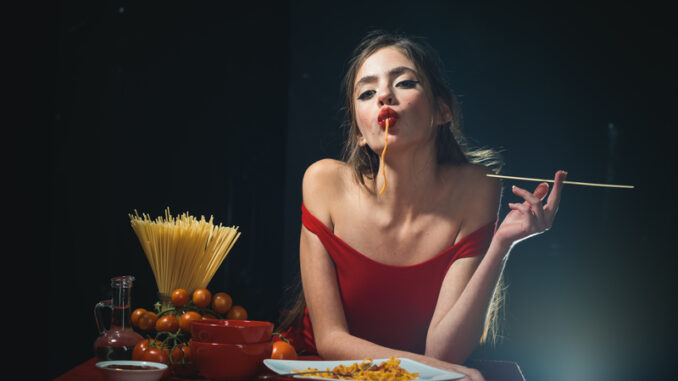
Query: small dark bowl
pixel 127 370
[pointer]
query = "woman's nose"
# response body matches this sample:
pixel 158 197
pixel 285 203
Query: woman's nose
pixel 385 96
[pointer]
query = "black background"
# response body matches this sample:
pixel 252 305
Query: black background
pixel 217 110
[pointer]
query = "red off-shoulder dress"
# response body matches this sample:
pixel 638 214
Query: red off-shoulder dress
pixel 388 305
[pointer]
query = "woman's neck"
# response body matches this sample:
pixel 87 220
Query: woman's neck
pixel 411 180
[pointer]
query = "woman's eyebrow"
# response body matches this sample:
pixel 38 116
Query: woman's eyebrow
pixel 391 73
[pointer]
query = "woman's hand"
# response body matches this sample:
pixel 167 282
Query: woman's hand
pixel 471 374
pixel 531 217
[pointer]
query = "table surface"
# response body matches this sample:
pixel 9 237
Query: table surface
pixel 491 370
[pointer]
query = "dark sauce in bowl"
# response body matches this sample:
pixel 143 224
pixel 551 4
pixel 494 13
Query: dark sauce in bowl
pixel 130 367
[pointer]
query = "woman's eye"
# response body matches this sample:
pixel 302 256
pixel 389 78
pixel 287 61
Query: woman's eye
pixel 366 94
pixel 408 83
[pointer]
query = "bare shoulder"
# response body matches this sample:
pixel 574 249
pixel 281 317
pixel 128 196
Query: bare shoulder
pixel 476 175
pixel 482 195
pixel 322 186
pixel 324 173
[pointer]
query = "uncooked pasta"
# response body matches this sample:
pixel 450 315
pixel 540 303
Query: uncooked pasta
pixel 183 252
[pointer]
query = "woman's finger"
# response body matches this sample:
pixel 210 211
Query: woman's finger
pixel 470 373
pixel 554 198
pixel 541 191
pixel 474 375
pixel 520 207
pixel 526 210
pixel 534 203
pixel 529 197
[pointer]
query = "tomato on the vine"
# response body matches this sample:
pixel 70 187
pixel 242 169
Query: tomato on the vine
pixel 147 321
pixel 283 350
pixel 208 317
pixel 237 313
pixel 179 297
pixel 150 350
pixel 167 323
pixel 156 354
pixel 136 315
pixel 187 318
pixel 181 364
pixel 202 297
pixel 181 354
pixel 139 349
pixel 221 302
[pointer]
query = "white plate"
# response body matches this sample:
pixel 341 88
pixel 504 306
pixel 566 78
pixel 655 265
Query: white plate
pixel 426 373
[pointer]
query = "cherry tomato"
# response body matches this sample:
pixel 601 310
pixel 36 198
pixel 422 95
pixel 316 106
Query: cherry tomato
pixel 139 349
pixel 167 323
pixel 283 350
pixel 237 313
pixel 147 348
pixel 187 318
pixel 221 302
pixel 147 321
pixel 179 297
pixel 208 317
pixel 156 354
pixel 136 315
pixel 202 297
pixel 150 350
pixel 181 352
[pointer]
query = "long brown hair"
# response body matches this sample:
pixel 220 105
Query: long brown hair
pixel 451 145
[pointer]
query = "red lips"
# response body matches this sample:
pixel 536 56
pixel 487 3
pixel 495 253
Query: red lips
pixel 387 113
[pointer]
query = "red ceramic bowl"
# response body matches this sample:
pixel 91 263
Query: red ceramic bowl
pixel 230 362
pixel 231 331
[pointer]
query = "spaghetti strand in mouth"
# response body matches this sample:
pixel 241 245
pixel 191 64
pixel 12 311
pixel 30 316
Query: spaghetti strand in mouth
pixel 383 153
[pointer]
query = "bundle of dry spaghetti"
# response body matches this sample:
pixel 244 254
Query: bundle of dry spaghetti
pixel 183 252
pixel 388 370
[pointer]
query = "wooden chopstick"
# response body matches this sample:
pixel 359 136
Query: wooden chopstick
pixel 564 182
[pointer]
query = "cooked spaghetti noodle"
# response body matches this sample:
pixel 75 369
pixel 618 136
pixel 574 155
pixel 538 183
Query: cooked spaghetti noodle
pixel 383 153
pixel 388 370
pixel 183 252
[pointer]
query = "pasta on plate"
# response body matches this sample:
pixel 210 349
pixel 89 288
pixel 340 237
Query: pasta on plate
pixel 389 370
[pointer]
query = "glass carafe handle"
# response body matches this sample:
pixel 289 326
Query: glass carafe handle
pixel 97 314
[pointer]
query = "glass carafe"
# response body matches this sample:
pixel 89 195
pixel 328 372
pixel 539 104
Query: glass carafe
pixel 118 341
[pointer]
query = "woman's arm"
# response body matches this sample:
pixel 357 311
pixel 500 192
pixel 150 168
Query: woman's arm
pixel 321 289
pixel 467 289
pixel 463 302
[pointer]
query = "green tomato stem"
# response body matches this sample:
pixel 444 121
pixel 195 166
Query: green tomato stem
pixel 283 338
pixel 191 307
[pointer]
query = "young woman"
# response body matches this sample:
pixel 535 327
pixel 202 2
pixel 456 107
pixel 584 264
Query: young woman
pixel 402 257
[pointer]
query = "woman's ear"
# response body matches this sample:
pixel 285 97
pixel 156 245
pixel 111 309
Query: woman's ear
pixel 362 141
pixel 444 114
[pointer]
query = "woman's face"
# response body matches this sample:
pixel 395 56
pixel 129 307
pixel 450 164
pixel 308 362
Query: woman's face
pixel 388 87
